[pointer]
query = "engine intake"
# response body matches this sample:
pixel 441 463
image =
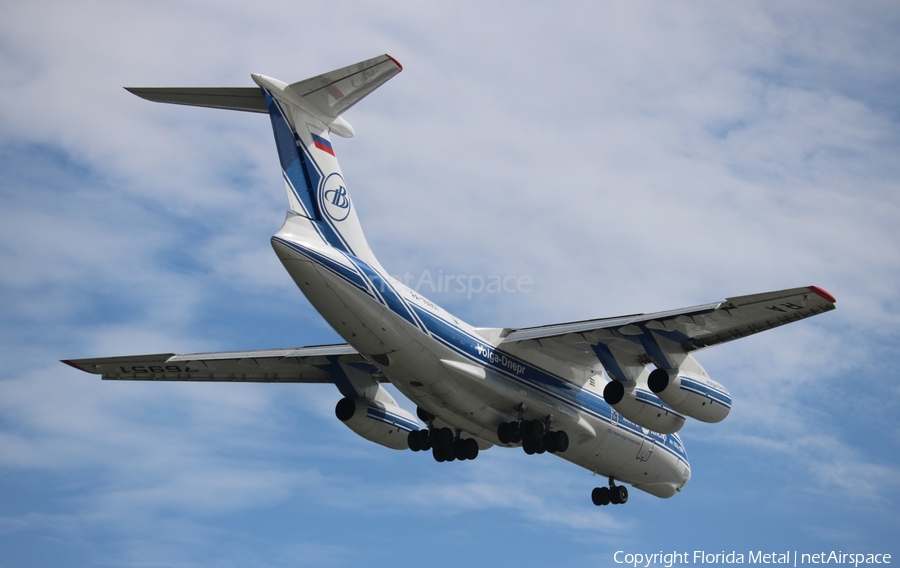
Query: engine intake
pixel 642 408
pixel 691 393
pixel 376 421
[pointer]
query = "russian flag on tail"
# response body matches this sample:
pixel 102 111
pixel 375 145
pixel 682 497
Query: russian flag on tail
pixel 323 144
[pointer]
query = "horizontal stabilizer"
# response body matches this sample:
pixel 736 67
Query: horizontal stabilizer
pixel 249 99
pixel 330 94
pixel 317 364
pixel 334 92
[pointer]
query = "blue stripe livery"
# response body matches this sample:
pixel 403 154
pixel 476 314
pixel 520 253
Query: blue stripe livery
pixel 293 164
pixel 718 397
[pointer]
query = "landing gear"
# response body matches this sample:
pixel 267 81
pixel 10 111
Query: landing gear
pixel 509 433
pixel 618 495
pixel 419 440
pixel 465 449
pixel 535 435
pixel 557 441
pixel 441 437
pixel 443 454
pixel 600 496
pixel 615 494
pixel 424 415
pixel 444 445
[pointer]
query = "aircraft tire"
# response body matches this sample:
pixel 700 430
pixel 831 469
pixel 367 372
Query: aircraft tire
pixel 561 441
pixel 503 433
pixel 442 438
pixel 621 494
pixel 424 440
pixel 412 440
pixel 528 446
pixel 515 432
pixel 459 450
pixel 534 429
pixel 600 496
pixel 471 448
pixel 550 442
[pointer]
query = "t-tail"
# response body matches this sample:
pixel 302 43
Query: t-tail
pixel 304 115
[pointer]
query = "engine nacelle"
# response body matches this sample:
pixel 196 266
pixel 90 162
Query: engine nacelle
pixel 376 421
pixel 691 393
pixel 642 408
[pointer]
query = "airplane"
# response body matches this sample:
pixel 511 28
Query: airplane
pixel 608 395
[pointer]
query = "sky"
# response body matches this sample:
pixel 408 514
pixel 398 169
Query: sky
pixel 624 157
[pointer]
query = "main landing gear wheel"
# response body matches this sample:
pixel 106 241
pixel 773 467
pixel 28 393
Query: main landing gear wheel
pixel 615 494
pixel 412 440
pixel 556 441
pixel 441 437
pixel 443 444
pixel 443 454
pixel 533 429
pixel 418 441
pixel 465 449
pixel 509 433
pixel 535 435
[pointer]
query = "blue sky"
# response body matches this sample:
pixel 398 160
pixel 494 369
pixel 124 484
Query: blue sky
pixel 628 158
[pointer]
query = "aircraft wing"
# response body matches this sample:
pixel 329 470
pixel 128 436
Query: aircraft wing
pixel 625 344
pixel 321 364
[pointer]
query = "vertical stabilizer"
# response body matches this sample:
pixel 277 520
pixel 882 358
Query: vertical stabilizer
pixel 304 115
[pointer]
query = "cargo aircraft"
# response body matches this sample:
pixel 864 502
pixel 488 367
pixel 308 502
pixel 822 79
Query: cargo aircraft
pixel 607 394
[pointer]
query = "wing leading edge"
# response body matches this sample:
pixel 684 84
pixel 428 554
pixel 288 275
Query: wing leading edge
pixel 320 364
pixel 625 345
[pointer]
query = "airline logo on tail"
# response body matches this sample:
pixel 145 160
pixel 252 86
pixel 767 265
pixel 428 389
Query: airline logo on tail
pixel 334 198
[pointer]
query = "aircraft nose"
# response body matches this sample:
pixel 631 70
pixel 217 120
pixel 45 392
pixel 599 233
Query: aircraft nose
pixel 686 476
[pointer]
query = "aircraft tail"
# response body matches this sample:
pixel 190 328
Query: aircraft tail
pixel 303 115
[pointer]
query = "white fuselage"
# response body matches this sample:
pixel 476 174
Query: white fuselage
pixel 463 376
pixel 543 386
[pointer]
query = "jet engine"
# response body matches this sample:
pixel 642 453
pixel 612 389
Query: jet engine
pixel 691 393
pixel 376 421
pixel 642 408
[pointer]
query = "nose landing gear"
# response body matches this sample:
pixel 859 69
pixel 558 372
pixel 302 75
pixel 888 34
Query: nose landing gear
pixel 615 494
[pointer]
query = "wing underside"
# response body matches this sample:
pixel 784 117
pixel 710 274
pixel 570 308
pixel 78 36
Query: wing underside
pixel 626 345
